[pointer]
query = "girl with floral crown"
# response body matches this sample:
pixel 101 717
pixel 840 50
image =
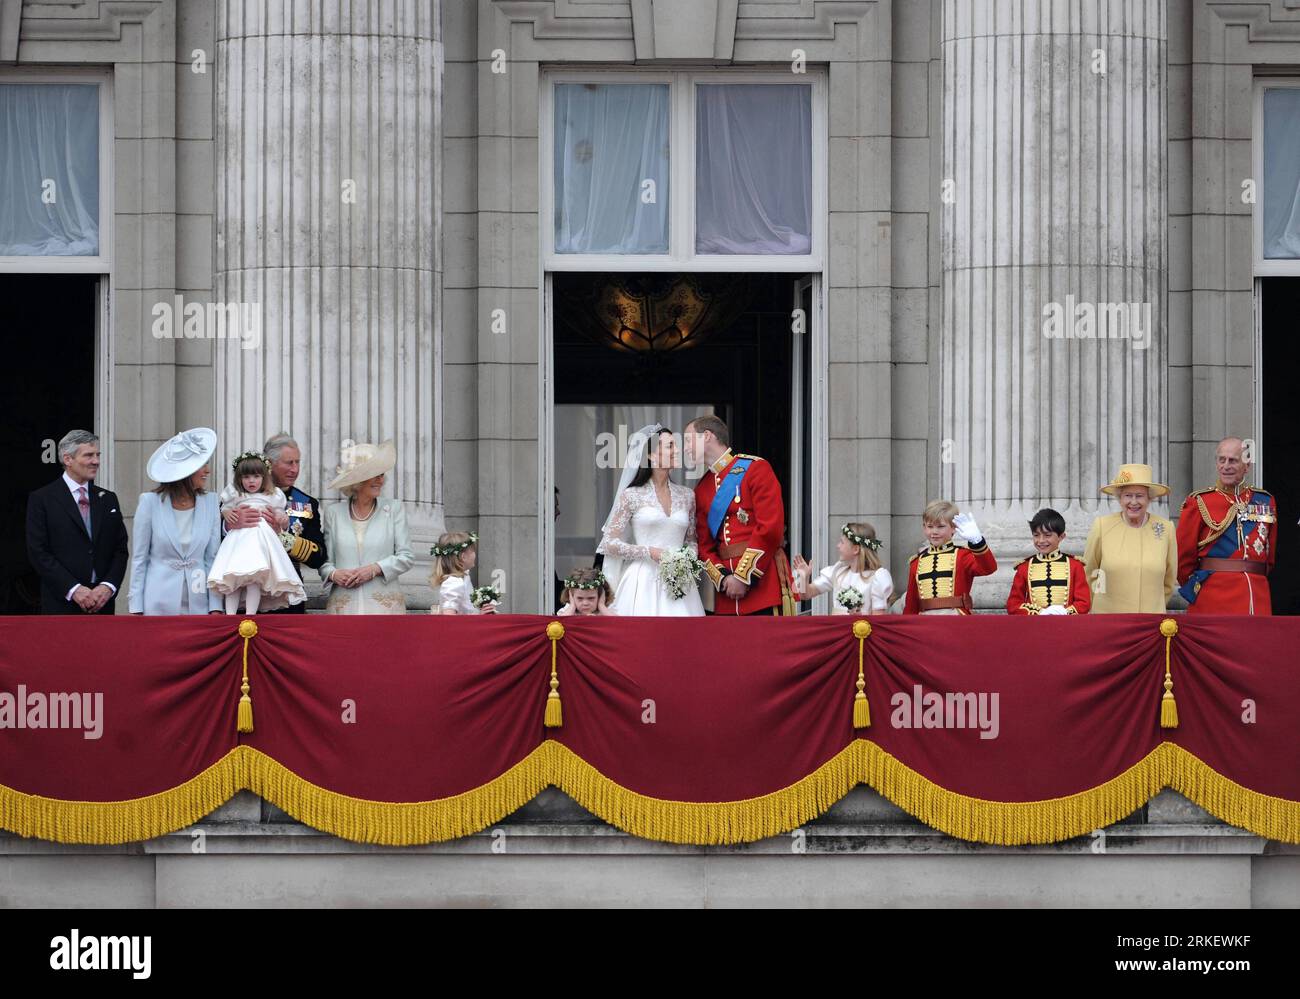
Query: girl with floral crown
pixel 252 566
pixel 858 582
pixel 587 594
pixel 455 554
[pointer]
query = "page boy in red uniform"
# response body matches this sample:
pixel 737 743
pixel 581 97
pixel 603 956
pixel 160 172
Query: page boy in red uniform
pixel 1049 582
pixel 939 576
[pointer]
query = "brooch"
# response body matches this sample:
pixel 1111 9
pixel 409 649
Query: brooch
pixel 1158 529
pixel 742 516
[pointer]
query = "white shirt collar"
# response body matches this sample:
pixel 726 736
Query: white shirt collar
pixel 74 485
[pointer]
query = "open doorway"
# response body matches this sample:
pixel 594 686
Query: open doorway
pixel 47 323
pixel 727 344
pixel 1280 446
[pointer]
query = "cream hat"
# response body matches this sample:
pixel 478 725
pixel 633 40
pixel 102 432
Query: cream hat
pixel 1135 475
pixel 182 456
pixel 364 461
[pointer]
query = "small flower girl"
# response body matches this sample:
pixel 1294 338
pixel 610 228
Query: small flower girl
pixel 587 594
pixel 858 582
pixel 455 555
pixel 252 562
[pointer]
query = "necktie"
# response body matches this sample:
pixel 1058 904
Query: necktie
pixel 84 504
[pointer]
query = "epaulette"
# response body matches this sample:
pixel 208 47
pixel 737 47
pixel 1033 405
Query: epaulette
pixel 1199 492
pixel 915 557
pixel 1261 492
pixel 1027 558
pixel 751 457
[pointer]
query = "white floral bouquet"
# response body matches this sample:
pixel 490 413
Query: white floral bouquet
pixel 679 569
pixel 482 595
pixel 850 598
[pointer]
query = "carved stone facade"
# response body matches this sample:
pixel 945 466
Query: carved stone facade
pixel 932 369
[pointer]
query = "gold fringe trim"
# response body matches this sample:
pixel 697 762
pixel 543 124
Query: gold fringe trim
pixel 130 821
pixel 699 823
pixel 400 823
pixel 707 823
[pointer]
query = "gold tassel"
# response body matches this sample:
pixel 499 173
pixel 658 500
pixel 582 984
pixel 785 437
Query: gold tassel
pixel 247 629
pixel 554 712
pixel 861 709
pixel 1168 706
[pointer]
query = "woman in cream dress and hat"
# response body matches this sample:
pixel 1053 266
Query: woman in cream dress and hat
pixel 177 530
pixel 366 536
pixel 1132 556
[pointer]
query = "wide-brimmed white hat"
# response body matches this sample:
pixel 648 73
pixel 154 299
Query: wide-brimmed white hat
pixel 1135 475
pixel 183 455
pixel 364 461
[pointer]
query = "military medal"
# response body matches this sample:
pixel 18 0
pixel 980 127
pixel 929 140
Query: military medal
pixel 742 516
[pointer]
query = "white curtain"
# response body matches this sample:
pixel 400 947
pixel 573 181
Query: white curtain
pixel 753 168
pixel 49 133
pixel 610 139
pixel 1282 172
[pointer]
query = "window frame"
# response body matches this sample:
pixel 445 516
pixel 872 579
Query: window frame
pixel 102 263
pixel 681 172
pixel 1266 266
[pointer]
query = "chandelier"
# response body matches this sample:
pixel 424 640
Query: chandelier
pixel 649 314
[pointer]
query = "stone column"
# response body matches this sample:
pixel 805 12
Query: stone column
pixel 1054 209
pixel 328 224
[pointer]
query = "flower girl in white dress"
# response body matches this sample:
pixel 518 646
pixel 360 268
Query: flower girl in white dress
pixel 859 569
pixel 651 515
pixel 252 561
pixel 455 554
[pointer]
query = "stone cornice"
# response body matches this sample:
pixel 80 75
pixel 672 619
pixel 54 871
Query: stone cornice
pixel 1275 21
pixel 87 20
pixel 792 20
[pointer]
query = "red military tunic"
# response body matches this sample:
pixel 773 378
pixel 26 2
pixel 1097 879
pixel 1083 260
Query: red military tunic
pixel 945 574
pixel 1218 527
pixel 749 539
pixel 1055 579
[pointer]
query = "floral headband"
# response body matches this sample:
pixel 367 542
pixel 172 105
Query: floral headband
pixel 589 584
pixel 454 549
pixel 872 543
pixel 254 455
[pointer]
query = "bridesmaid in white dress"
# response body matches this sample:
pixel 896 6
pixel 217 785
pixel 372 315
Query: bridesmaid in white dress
pixel 859 567
pixel 651 515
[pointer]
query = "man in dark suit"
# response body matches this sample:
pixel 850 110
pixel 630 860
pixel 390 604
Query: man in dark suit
pixel 76 538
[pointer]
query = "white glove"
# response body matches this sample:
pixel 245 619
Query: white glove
pixel 967 529
pixel 1054 609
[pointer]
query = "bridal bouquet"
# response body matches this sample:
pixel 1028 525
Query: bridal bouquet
pixel 482 595
pixel 850 598
pixel 679 569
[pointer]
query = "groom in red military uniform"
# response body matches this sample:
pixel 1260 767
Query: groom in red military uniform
pixel 740 523
pixel 1227 540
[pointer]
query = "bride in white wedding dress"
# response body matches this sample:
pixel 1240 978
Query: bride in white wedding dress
pixel 651 515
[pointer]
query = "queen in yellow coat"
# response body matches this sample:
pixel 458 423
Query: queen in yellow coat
pixel 1132 556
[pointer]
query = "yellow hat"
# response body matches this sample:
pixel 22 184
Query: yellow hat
pixel 1135 475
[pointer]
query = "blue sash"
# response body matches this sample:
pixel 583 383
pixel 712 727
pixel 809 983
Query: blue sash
pixel 727 492
pixel 1223 547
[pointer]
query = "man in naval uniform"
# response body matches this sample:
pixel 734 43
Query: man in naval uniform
pixel 1227 540
pixel 304 539
pixel 740 523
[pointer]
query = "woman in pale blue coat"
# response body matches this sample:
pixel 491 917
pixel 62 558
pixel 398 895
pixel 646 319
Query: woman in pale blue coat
pixel 366 537
pixel 177 531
